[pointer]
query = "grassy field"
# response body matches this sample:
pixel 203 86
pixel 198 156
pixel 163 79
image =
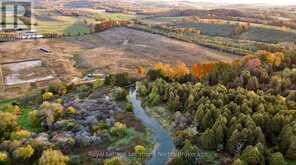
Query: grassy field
pixel 62 25
pixel 23 119
pixel 162 20
pixel 73 25
pixel 223 30
pixel 131 48
pixel 113 16
pixel 263 34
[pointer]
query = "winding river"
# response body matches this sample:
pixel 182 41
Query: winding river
pixel 163 143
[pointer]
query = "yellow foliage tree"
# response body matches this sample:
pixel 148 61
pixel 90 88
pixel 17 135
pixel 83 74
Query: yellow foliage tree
pixel 20 134
pixel 24 152
pixel 181 70
pixel 273 59
pixel 53 157
pixel 166 70
pixel 3 156
pixel 47 96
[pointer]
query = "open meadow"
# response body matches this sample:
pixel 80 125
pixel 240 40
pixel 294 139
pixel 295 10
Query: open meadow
pixel 116 50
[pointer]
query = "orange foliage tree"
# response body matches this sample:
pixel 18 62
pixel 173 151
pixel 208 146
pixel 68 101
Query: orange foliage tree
pixel 200 70
pixel 141 71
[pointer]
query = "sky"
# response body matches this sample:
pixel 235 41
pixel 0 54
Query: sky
pixel 271 2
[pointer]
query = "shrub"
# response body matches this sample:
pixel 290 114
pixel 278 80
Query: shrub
pixel 57 89
pixel 153 98
pixel 47 96
pixel 237 162
pixel 187 156
pixel 3 156
pixel 128 107
pixel 153 74
pixel 98 83
pixel 122 79
pixel 140 150
pixel 51 112
pixel 21 134
pixel 9 145
pixel 291 152
pixel 34 118
pixel 120 94
pixel 83 90
pixel 53 157
pixel 109 80
pixel 119 129
pixel 31 99
pixel 8 124
pixel 11 109
pixel 71 110
pixel 115 161
pixel 252 155
pixel 24 152
pixel 143 91
pixel 277 159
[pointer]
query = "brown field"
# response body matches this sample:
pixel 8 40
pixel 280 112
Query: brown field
pixel 115 50
pixel 123 49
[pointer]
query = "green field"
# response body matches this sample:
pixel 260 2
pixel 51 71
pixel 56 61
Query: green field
pixel 23 119
pixel 222 30
pixel 62 25
pixel 74 25
pixel 255 33
pixel 113 16
pixel 268 35
pixel 162 20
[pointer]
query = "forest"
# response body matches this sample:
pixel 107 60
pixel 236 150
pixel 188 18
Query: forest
pixel 245 110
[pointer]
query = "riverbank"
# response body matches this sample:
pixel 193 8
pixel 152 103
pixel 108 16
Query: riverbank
pixel 163 143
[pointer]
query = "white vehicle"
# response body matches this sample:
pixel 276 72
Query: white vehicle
pixel 31 35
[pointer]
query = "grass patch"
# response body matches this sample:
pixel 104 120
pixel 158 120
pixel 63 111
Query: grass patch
pixel 161 114
pixel 62 25
pixel 268 35
pixel 291 162
pixel 5 102
pixel 114 16
pixel 162 20
pixel 222 30
pixel 128 139
pixel 23 119
pixel 25 123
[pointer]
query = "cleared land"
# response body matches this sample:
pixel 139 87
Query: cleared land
pixel 115 50
pixel 123 49
pixel 25 72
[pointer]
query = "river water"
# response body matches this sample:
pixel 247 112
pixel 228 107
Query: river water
pixel 163 143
